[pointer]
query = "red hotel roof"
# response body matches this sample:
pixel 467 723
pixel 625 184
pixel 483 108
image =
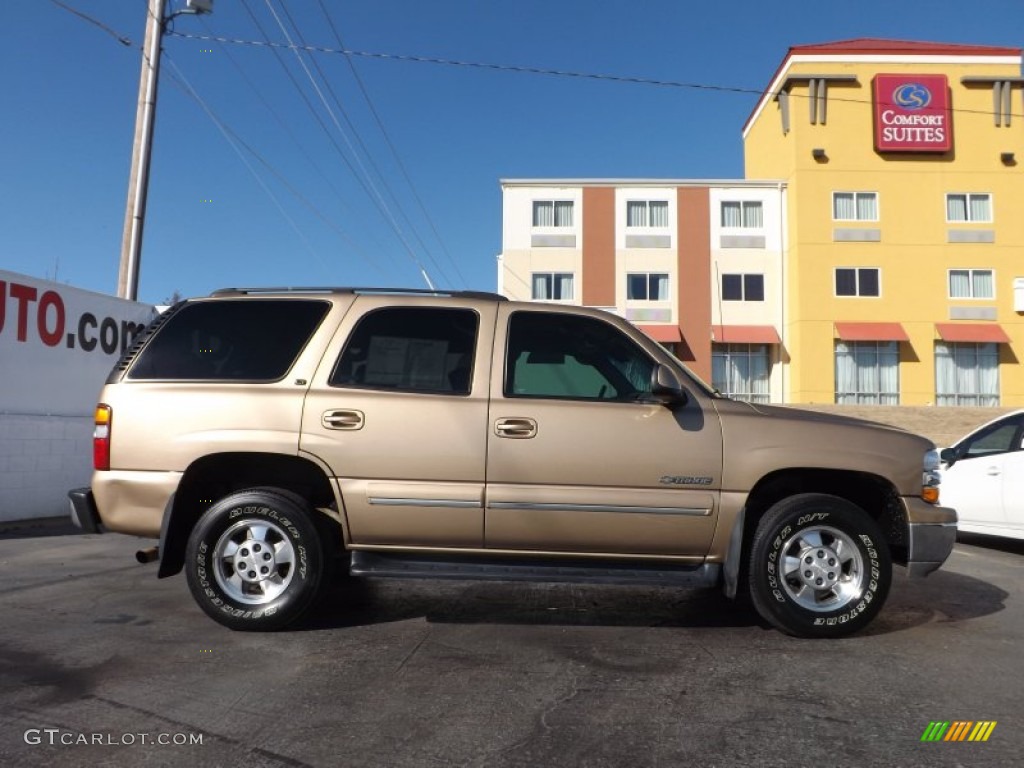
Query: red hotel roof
pixel 865 45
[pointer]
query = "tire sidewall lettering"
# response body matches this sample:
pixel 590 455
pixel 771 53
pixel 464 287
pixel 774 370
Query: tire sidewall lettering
pixel 202 567
pixel 270 512
pixel 786 521
pixel 772 563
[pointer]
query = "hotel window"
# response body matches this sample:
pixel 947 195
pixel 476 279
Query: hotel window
pixel 651 214
pixel 552 286
pixel 971 284
pixel 742 214
pixel 552 213
pixel 741 371
pixel 647 286
pixel 968 207
pixel 867 373
pixel 966 374
pixel 858 281
pixel 742 287
pixel 855 206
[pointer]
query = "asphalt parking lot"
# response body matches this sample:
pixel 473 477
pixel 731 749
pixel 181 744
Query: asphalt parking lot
pixel 103 664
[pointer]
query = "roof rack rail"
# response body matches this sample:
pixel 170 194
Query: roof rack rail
pixel 360 291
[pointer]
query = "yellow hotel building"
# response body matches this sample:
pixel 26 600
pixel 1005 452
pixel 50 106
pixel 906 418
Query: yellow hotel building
pixel 904 255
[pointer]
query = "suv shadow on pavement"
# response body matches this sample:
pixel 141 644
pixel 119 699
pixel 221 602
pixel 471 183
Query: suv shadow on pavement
pixel 948 597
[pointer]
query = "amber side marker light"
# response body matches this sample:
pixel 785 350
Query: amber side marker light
pixel 101 438
pixel 931 495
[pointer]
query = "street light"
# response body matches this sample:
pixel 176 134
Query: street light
pixel 138 181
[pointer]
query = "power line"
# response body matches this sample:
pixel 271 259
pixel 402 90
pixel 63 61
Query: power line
pixel 391 146
pixel 474 64
pixel 122 39
pixel 233 138
pixel 316 116
pixel 370 157
pixel 309 158
pixel 366 151
pixel 180 80
pixel 626 79
pixel 366 179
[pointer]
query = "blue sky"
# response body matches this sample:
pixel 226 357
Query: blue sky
pixel 298 209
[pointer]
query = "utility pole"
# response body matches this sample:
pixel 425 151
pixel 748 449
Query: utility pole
pixel 138 181
pixel 145 116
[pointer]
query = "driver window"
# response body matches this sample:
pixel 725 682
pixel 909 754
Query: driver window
pixel 565 356
pixel 999 438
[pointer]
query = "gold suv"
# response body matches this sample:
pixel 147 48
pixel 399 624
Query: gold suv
pixel 265 435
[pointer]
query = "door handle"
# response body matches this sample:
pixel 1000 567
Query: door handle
pixel 993 471
pixel 350 420
pixel 519 428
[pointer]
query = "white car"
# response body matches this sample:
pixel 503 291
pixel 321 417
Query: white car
pixel 983 478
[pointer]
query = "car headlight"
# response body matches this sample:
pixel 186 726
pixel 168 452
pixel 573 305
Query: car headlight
pixel 931 477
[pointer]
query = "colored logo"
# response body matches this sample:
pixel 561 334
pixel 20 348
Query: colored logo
pixel 958 730
pixel 912 96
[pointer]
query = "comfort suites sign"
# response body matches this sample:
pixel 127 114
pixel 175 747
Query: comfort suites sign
pixel 912 113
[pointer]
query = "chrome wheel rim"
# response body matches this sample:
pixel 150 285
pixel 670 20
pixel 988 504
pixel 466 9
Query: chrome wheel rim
pixel 822 569
pixel 253 562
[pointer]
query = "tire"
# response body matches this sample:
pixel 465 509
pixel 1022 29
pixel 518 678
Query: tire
pixel 255 560
pixel 846 568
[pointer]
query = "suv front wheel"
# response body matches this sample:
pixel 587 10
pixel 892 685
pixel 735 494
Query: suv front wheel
pixel 819 566
pixel 255 560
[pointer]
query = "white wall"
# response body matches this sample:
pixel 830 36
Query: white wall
pixel 57 346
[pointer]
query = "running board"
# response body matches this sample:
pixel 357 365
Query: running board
pixel 561 570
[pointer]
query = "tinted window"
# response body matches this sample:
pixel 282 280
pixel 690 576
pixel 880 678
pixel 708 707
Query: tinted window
pixel 636 286
pixel 753 287
pixel 846 282
pixel 245 340
pixel 564 356
pixel 868 282
pixel 412 349
pixel 732 287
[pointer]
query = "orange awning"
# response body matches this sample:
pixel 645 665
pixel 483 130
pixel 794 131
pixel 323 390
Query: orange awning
pixel 745 334
pixel 979 332
pixel 664 334
pixel 871 332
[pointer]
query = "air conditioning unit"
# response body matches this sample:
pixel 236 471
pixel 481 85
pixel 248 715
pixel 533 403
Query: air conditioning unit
pixel 1018 294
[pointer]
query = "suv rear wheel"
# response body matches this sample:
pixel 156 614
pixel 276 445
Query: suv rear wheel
pixel 819 566
pixel 255 559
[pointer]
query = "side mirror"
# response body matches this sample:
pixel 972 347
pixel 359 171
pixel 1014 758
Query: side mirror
pixel 948 456
pixel 666 388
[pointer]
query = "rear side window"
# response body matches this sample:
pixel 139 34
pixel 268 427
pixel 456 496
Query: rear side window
pixel 249 340
pixel 410 349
